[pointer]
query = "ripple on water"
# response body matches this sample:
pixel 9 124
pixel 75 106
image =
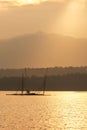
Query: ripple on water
pixel 60 111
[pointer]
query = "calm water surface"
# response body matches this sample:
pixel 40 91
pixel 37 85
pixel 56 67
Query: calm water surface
pixel 59 111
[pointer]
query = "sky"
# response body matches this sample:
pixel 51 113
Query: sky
pixel 65 17
pixel 62 17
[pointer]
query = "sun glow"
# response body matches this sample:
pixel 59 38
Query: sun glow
pixel 72 17
pixel 22 2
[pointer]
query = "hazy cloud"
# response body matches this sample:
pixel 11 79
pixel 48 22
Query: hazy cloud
pixel 10 3
pixel 66 17
pixel 28 18
pixel 57 16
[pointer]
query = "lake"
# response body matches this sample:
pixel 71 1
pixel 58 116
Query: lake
pixel 54 111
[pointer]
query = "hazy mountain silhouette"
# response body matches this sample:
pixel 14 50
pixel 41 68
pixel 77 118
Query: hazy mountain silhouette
pixel 40 72
pixel 42 49
pixel 45 50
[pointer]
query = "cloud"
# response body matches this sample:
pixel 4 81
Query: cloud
pixel 49 16
pixel 11 3
pixel 4 5
pixel 8 3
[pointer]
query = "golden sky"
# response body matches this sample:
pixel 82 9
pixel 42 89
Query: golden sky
pixel 24 2
pixel 66 17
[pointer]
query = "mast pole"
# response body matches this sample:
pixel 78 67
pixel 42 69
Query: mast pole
pixel 45 79
pixel 22 89
pixel 44 85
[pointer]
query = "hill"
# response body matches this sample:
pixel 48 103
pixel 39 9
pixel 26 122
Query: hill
pixel 42 50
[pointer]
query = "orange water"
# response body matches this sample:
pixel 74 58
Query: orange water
pixel 58 111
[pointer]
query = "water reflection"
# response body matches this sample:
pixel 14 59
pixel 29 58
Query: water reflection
pixel 60 111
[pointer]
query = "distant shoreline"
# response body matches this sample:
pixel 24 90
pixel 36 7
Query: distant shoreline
pixel 67 82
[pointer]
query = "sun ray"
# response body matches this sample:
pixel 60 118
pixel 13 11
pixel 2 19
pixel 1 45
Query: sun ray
pixel 71 18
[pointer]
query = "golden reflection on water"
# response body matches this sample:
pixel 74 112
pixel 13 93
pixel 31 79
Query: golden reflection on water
pixel 59 111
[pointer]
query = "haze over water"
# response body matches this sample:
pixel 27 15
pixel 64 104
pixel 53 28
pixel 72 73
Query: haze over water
pixel 59 111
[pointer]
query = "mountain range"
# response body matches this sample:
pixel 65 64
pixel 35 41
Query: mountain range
pixel 42 50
